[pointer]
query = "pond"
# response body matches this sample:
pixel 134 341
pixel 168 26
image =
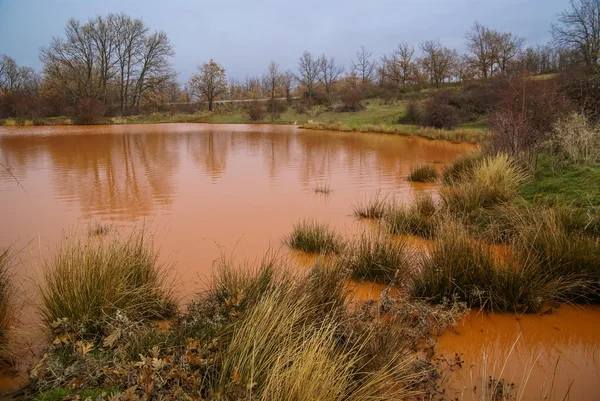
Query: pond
pixel 237 190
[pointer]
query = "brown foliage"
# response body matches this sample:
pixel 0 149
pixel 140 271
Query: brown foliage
pixel 88 111
pixel 582 86
pixel 438 111
pixel 256 111
pixel 352 101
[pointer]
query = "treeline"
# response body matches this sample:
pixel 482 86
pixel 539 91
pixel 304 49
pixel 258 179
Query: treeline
pixel 115 65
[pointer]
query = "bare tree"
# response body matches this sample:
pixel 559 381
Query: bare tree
pixel 329 74
pixel 108 55
pixel 15 78
pixel 271 81
pixel 463 69
pixel 400 66
pixel 481 46
pixel 287 82
pixel 437 61
pixel 579 29
pixel 363 66
pixel 506 48
pixel 308 73
pixel 209 83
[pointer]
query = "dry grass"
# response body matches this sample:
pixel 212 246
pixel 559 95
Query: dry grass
pixel 457 135
pixel 88 280
pixel 495 180
pixel 6 303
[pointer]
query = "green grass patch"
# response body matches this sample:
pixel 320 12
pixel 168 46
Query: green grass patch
pixel 557 183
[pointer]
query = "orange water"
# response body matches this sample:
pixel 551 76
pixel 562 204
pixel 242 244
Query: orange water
pixel 212 189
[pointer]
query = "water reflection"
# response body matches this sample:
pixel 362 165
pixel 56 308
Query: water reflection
pixel 124 173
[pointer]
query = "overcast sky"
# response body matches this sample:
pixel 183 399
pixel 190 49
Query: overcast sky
pixel 244 35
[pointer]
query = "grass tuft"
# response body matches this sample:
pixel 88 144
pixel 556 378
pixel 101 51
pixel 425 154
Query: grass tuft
pixel 313 237
pixel 461 168
pixel 378 257
pixel 422 173
pixel 495 180
pixel 373 208
pixel 88 280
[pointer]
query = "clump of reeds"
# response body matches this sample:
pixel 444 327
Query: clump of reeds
pixel 88 280
pixel 378 257
pixel 313 237
pixel 323 188
pixel 422 173
pixel 457 266
pixel 417 218
pixel 373 208
pixel 496 179
pixel 6 294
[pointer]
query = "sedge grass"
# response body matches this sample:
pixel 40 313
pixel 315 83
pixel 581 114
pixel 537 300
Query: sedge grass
pixel 377 257
pixel 374 207
pixel 313 237
pixel 417 218
pixel 88 280
pixel 422 173
pixel 459 266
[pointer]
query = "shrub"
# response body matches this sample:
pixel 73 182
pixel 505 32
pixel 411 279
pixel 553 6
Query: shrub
pixel 276 108
pixel 422 173
pixel 412 113
pixel 582 87
pixel 377 258
pixel 438 113
pixel 88 111
pixel 256 111
pixel 577 139
pixel 88 280
pixel 351 101
pixel 313 237
pixel 525 117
